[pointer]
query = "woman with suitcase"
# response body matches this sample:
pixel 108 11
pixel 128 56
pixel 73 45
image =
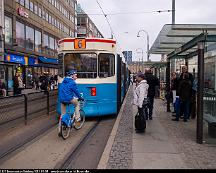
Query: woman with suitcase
pixel 140 100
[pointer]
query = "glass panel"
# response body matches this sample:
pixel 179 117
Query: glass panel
pixel 38 41
pixel 29 38
pixel 209 100
pixel 86 64
pixel 20 34
pixel 8 30
pixel 106 65
pixel 31 6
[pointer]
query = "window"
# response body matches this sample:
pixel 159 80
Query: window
pixel 47 17
pixel 50 18
pixel 86 64
pixel 38 41
pixel 39 12
pixel 8 30
pixel 51 43
pixel 106 65
pixel 29 38
pixel 43 14
pixel 20 34
pixel 35 9
pixel 31 6
pixel 27 4
pixel 46 43
pixel 22 2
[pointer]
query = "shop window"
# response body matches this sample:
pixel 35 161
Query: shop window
pixel 38 41
pixel 20 34
pixel 106 65
pixel 8 30
pixel 29 38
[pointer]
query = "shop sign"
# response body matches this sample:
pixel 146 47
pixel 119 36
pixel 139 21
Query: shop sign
pixel 16 59
pixel 22 13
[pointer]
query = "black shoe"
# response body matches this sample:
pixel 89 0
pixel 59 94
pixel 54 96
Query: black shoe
pixel 173 115
pixel 139 131
pixel 150 118
pixel 175 119
pixel 185 120
pixel 181 117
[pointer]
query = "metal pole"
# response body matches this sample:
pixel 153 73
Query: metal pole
pixel 147 47
pixel 168 84
pixel 173 12
pixel 200 87
pixel 142 60
pixel 26 108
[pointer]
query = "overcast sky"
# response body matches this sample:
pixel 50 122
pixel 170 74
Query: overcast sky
pixel 127 26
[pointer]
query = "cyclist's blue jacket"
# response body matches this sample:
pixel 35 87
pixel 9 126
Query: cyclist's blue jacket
pixel 68 90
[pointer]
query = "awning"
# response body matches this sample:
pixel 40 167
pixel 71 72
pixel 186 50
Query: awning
pixel 173 37
pixel 48 60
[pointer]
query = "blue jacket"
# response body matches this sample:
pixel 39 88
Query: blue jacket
pixel 68 90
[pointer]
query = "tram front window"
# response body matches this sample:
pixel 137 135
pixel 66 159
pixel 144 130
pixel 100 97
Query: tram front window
pixel 85 63
pixel 106 65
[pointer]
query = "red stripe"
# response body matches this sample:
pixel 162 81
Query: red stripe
pixel 87 40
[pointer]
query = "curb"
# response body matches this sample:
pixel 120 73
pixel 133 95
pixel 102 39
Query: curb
pixel 106 153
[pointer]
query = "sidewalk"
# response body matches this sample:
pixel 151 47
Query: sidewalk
pixel 165 144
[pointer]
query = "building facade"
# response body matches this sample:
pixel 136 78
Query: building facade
pixel 85 26
pixel 32 29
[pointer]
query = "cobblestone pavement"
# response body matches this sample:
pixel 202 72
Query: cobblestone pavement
pixel 121 152
pixel 183 135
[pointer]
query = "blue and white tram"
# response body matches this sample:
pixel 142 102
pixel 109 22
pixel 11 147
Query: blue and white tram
pixel 102 73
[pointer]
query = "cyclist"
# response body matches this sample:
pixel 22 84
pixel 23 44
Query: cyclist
pixel 68 93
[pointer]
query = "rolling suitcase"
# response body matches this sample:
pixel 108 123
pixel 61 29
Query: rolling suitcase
pixel 140 122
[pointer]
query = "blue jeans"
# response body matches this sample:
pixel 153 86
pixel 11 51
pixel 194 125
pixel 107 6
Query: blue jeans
pixel 185 105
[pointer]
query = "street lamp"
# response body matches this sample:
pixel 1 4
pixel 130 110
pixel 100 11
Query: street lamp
pixel 142 55
pixel 147 41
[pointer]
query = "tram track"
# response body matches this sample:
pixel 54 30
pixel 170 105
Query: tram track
pixel 45 150
pixel 90 147
pixel 66 162
pixel 14 144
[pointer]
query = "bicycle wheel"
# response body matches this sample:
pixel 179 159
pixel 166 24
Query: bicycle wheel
pixel 65 131
pixel 78 124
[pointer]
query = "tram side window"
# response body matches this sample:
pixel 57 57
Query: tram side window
pixel 84 63
pixel 106 65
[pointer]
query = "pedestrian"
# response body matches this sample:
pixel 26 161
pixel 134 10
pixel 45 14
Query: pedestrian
pixel 16 85
pixel 174 87
pixel 3 90
pixel 153 82
pixel 140 95
pixel 185 92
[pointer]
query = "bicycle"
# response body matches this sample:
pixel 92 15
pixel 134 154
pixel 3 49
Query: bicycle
pixel 68 120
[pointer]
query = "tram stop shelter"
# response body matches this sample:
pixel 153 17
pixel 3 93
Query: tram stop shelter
pixel 197 43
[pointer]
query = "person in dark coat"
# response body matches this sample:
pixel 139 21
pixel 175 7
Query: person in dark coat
pixel 16 85
pixel 185 92
pixel 152 81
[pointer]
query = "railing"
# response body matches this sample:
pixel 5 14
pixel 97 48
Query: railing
pixel 209 100
pixel 27 106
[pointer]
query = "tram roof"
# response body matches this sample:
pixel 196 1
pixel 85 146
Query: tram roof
pixel 180 40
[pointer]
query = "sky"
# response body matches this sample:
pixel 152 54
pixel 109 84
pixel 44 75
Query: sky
pixel 127 26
